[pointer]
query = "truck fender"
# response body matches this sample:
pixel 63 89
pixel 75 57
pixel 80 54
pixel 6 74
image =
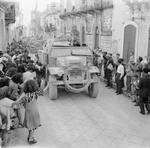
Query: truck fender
pixel 56 71
pixel 93 69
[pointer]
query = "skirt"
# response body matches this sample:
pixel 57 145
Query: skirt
pixel 32 117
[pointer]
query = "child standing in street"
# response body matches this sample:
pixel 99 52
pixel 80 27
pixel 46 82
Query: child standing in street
pixel 29 100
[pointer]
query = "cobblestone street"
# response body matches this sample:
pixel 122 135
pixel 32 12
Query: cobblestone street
pixel 77 121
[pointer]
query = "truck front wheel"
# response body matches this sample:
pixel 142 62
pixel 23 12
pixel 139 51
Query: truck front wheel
pixel 53 92
pixel 93 90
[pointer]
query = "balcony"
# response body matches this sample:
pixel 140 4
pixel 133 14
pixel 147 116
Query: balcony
pixel 106 4
pixel 100 5
pixel 9 12
pixel 88 8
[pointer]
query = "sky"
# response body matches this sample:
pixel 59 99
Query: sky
pixel 27 6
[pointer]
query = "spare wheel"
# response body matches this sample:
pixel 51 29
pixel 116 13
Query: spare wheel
pixel 67 82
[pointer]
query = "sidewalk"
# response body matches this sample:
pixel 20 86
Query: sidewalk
pixel 114 86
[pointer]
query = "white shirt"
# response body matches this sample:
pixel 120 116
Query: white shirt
pixel 100 59
pixel 115 59
pixel 13 58
pixel 28 76
pixel 120 70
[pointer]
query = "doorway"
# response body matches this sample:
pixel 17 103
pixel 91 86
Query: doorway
pixel 129 41
pixel 83 36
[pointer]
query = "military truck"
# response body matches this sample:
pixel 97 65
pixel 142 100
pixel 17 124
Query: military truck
pixel 70 67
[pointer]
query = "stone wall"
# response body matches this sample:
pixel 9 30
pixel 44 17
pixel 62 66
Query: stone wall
pixel 2 29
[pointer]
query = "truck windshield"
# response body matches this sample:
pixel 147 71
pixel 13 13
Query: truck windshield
pixel 82 52
pixel 68 51
pixel 60 52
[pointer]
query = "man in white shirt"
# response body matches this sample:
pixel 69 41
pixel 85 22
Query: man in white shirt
pixel 120 76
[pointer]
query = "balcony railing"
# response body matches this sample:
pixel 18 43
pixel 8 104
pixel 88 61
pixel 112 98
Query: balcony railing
pixel 10 14
pixel 107 4
pixel 100 4
pixel 97 5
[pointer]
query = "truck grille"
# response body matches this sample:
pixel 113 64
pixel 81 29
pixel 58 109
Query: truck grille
pixel 76 72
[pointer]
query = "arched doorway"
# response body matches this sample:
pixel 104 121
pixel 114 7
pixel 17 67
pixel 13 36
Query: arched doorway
pixel 83 36
pixel 96 38
pixel 129 41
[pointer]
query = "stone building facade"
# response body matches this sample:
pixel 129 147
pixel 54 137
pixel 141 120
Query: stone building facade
pixel 7 18
pixel 2 27
pixel 116 26
pixel 49 21
pixel 35 26
pixel 131 28
pixel 93 20
pixel 52 20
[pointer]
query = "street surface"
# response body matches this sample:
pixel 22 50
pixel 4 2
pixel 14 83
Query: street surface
pixel 77 121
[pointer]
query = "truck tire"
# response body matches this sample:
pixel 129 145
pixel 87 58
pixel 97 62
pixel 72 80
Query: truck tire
pixel 93 90
pixel 53 92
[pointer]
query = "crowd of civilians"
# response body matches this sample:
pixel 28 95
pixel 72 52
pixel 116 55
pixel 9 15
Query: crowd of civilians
pixel 20 74
pixel 17 69
pixel 131 78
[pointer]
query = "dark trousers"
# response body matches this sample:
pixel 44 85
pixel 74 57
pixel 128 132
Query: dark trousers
pixel 39 77
pixel 119 83
pixel 100 68
pixel 105 73
pixel 143 102
pixel 109 77
pixel 137 98
pixel 128 83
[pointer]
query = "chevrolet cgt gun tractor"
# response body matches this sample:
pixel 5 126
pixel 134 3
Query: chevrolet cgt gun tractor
pixel 71 67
